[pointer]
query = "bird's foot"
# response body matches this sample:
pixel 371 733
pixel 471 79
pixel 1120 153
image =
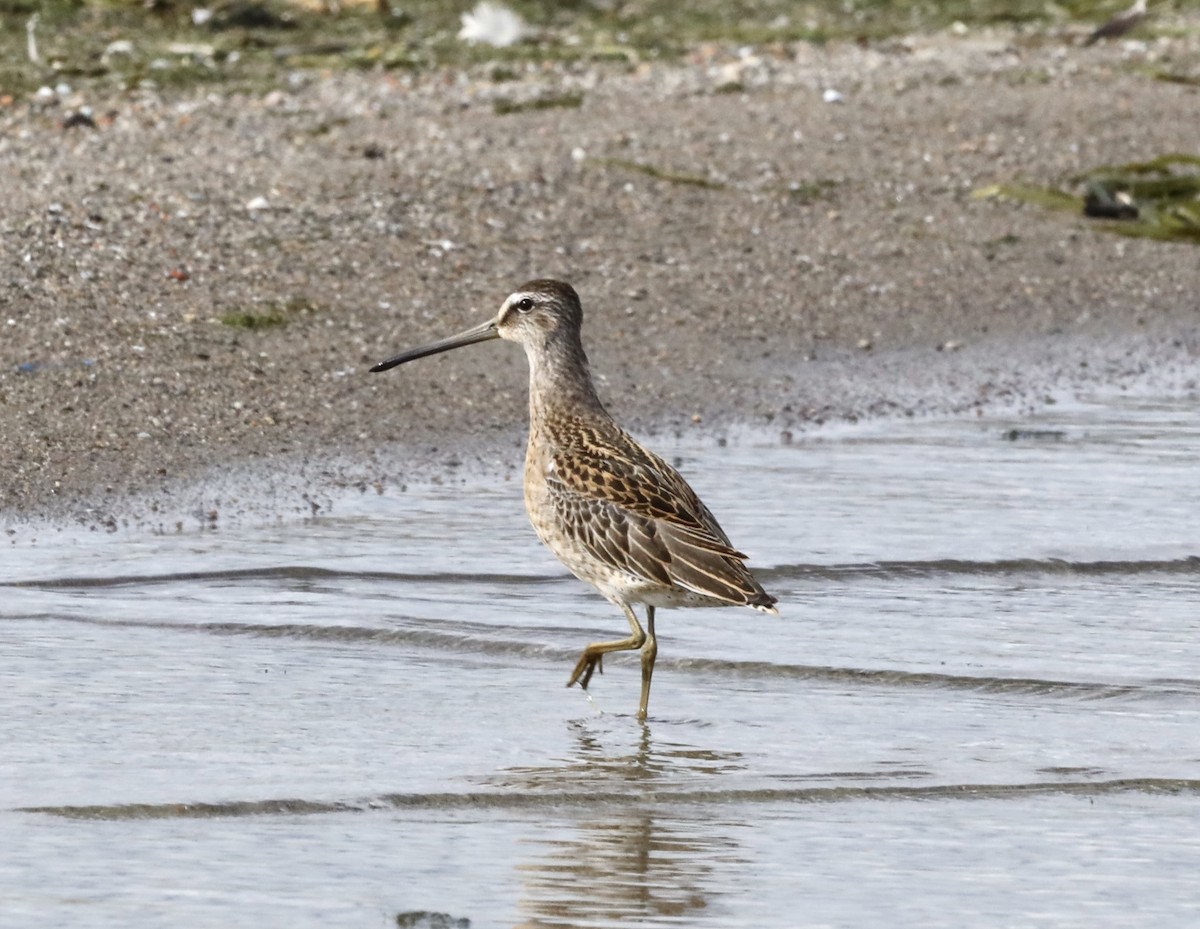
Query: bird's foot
pixel 584 668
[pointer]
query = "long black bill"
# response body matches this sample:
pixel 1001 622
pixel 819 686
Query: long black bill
pixel 478 334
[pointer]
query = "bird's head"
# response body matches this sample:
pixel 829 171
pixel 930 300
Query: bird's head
pixel 534 315
pixel 538 312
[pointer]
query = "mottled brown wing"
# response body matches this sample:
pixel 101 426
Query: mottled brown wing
pixel 635 512
pixel 618 470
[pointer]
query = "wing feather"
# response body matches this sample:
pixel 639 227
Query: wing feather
pixel 615 468
pixel 629 508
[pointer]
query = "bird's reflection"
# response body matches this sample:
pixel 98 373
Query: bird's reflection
pixel 608 761
pixel 627 856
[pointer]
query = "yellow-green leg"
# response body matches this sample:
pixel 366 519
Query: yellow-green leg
pixel 590 660
pixel 649 653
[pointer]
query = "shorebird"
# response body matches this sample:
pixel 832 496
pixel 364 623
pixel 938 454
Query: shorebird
pixel 1120 24
pixel 612 511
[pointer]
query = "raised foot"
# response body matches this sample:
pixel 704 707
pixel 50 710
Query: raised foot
pixel 584 668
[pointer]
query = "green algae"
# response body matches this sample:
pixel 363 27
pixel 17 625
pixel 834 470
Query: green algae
pixel 1156 199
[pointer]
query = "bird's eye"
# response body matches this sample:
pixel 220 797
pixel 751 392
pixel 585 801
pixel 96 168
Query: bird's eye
pixel 525 304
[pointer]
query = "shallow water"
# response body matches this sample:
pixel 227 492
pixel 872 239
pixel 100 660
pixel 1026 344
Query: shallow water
pixel 980 706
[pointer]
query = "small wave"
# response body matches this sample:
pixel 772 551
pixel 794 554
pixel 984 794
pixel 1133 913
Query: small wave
pixel 272 573
pixel 839 573
pixel 1000 568
pixel 524 800
pixel 488 640
pixel 890 677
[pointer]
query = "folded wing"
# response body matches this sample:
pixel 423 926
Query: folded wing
pixel 632 510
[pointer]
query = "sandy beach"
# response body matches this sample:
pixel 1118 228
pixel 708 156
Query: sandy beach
pixel 771 238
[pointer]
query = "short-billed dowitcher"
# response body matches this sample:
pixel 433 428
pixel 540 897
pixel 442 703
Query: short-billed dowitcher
pixel 616 514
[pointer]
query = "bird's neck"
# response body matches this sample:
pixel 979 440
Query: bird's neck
pixel 560 383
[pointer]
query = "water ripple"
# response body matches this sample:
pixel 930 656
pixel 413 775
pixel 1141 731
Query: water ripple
pixel 1002 568
pixel 538 800
pixel 838 572
pixel 479 642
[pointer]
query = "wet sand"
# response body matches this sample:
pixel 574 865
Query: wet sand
pixel 834 266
